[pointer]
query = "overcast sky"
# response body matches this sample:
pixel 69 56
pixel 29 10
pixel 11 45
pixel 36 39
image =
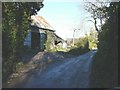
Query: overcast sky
pixel 66 15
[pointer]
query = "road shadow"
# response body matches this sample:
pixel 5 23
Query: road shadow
pixel 29 54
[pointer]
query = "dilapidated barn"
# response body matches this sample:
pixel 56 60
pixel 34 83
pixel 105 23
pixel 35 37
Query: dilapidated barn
pixel 41 34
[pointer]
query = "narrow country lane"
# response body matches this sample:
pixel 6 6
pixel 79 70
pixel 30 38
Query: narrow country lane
pixel 71 73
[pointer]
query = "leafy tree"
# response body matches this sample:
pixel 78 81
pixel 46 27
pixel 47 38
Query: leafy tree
pixel 81 42
pixel 93 40
pixel 80 46
pixel 15 25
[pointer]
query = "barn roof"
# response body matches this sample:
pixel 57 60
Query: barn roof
pixel 40 22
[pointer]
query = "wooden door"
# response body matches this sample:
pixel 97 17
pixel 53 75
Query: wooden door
pixel 35 40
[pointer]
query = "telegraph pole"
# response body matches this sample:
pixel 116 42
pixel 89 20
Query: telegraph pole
pixel 74 36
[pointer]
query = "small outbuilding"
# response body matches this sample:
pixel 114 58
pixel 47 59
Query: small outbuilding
pixel 40 32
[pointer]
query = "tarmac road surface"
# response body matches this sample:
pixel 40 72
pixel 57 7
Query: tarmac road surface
pixel 70 73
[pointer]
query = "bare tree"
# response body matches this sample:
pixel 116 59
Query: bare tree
pixel 98 11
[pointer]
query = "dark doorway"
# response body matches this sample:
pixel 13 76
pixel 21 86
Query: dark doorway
pixel 35 40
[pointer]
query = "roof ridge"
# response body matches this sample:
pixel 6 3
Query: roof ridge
pixel 44 22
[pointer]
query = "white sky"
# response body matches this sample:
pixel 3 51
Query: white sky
pixel 66 15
